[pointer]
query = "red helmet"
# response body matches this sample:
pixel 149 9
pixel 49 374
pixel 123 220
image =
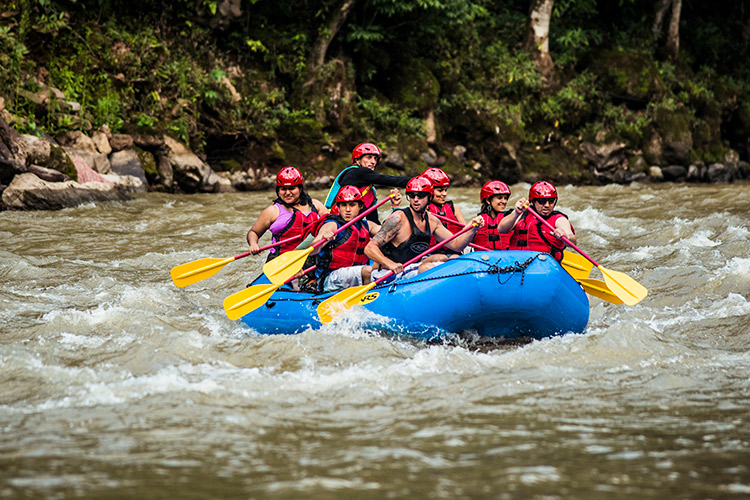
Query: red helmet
pixel 420 184
pixel 349 193
pixel 492 188
pixel 437 177
pixel 542 189
pixel 366 148
pixel 288 177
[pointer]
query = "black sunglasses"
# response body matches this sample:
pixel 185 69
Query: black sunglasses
pixel 418 194
pixel 544 201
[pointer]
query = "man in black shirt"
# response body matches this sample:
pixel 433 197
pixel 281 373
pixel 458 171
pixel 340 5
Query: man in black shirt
pixel 361 174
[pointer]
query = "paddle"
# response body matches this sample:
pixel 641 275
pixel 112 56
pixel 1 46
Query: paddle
pixel 576 265
pixel 599 288
pixel 345 299
pixel 193 272
pixel 288 264
pixel 620 284
pixel 252 297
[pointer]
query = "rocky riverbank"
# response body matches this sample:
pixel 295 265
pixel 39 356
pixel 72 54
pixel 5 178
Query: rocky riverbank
pixel 45 173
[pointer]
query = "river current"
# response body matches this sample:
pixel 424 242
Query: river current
pixel 114 383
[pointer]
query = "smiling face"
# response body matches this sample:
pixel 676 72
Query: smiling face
pixel 290 195
pixel 441 194
pixel 544 206
pixel 498 202
pixel 349 209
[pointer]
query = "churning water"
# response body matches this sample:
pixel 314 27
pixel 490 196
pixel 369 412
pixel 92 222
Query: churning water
pixel 116 384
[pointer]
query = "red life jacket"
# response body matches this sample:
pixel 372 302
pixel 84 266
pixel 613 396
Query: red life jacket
pixel 487 235
pixel 296 226
pixel 530 234
pixel 346 249
pixel 446 210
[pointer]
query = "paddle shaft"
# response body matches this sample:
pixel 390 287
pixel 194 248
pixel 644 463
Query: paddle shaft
pixel 288 240
pixel 566 240
pixel 428 251
pixel 354 220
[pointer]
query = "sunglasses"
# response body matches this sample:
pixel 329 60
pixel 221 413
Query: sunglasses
pixel 419 194
pixel 544 201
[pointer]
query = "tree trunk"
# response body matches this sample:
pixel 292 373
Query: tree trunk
pixel 659 19
pixel 320 47
pixel 673 36
pixel 537 35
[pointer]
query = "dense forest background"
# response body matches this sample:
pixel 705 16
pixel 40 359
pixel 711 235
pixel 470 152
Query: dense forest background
pixel 580 90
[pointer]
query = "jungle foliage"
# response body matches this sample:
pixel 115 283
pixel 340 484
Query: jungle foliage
pixel 222 75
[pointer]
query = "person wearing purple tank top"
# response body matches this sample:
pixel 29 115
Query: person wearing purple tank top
pixel 292 210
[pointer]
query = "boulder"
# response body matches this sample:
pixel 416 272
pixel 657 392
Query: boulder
pixel 38 149
pixel 48 174
pixel 29 192
pixel 126 162
pixel 118 142
pixel 12 153
pixel 719 172
pixel 102 142
pixel 190 172
pixel 655 173
pixel 604 156
pixel 394 159
pixel 674 172
pixel 97 161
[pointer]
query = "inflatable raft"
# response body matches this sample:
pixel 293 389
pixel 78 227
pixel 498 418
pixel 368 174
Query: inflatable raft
pixel 501 294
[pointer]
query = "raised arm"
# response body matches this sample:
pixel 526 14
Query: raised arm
pixel 508 222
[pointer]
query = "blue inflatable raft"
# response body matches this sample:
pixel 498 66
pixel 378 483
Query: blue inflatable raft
pixel 501 294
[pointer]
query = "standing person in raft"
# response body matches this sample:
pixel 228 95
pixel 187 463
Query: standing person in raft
pixel 441 206
pixel 290 213
pixel 342 262
pixel 529 233
pixel 407 232
pixel 494 198
pixel 362 175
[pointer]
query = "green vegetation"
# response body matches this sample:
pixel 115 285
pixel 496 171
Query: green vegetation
pixel 252 88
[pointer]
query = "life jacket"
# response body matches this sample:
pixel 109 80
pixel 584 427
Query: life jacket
pixel 418 242
pixel 530 234
pixel 345 250
pixel 446 210
pixel 487 236
pixel 369 196
pixel 295 227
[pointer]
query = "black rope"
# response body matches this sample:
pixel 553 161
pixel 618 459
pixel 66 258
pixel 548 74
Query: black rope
pixel 492 268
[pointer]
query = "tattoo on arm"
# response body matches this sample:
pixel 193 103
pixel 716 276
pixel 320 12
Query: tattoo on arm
pixel 388 230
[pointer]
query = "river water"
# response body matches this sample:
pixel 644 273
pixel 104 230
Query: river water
pixel 116 384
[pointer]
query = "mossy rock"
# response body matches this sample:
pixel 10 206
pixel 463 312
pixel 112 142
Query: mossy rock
pixel 675 127
pixel 60 161
pixel 414 86
pixel 628 75
pixel 555 164
pixel 148 162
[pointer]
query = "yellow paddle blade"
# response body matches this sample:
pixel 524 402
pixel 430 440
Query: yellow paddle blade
pixel 249 299
pixel 577 266
pixel 345 299
pixel 599 288
pixel 193 272
pixel 626 288
pixel 286 265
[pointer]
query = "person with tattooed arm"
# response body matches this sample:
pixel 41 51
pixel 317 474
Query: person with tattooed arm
pixel 407 232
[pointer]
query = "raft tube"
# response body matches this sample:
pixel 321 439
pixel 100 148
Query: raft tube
pixel 498 294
